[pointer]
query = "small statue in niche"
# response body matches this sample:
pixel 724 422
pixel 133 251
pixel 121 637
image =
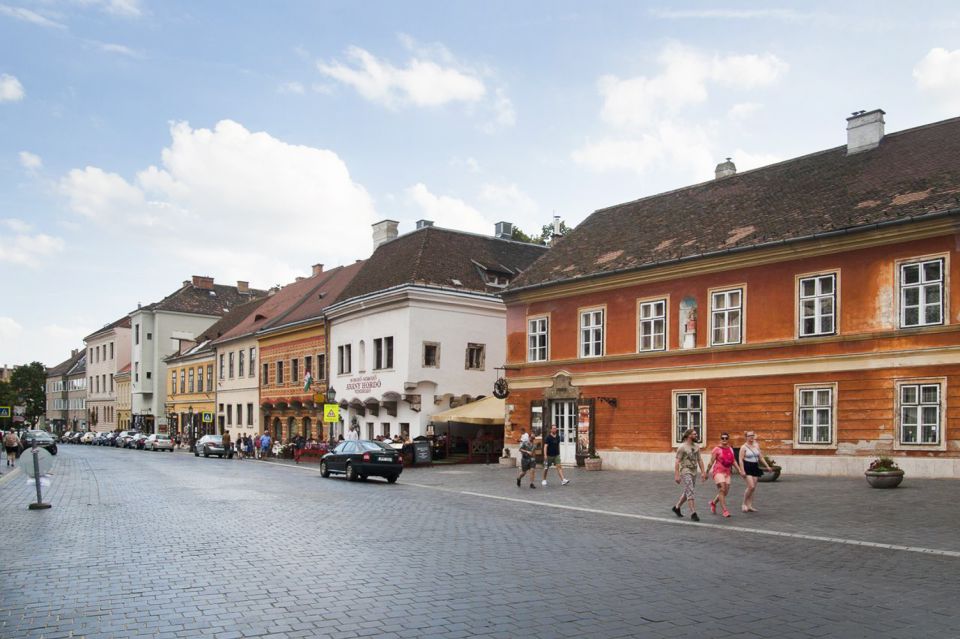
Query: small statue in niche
pixel 688 323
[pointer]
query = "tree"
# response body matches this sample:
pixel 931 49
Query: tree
pixel 29 384
pixel 546 234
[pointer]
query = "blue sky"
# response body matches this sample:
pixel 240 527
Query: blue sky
pixel 143 142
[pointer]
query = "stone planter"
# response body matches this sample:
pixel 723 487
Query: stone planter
pixel 884 478
pixel 593 463
pixel 770 475
pixel 508 462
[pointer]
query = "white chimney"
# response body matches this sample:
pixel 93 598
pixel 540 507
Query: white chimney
pixel 384 231
pixel 725 169
pixel 503 230
pixel 864 130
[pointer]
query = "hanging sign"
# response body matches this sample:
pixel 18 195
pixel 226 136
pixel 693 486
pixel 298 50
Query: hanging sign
pixel 331 413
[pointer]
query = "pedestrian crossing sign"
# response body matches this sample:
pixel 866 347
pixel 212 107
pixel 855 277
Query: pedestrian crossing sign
pixel 4 411
pixel 207 418
pixel 331 413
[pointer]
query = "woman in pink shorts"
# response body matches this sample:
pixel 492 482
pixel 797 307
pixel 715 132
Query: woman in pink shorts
pixel 722 462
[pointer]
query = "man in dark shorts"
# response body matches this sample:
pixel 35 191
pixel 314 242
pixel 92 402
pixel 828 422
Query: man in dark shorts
pixel 551 456
pixel 528 462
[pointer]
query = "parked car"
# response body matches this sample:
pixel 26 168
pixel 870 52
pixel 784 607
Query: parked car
pixel 107 439
pixel 363 458
pixel 158 442
pixel 87 438
pixel 75 437
pixel 43 439
pixel 137 441
pixel 66 436
pixel 124 437
pixel 210 445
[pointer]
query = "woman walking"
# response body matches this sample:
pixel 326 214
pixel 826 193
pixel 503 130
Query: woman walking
pixel 750 460
pixel 722 461
pixel 11 442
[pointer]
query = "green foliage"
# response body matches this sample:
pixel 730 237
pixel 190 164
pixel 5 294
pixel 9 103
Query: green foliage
pixel 546 233
pixel 881 464
pixel 28 383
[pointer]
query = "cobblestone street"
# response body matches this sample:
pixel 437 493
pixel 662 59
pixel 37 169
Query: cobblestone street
pixel 142 544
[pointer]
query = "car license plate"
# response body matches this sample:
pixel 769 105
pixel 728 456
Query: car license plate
pixel 385 459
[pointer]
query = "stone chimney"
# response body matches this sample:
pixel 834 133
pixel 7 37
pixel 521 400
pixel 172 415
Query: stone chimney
pixel 384 231
pixel 317 269
pixel 864 130
pixel 73 352
pixel 503 230
pixel 203 282
pixel 243 287
pixel 422 224
pixel 725 169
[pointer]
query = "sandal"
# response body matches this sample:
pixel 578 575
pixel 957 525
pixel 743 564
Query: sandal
pixel 726 513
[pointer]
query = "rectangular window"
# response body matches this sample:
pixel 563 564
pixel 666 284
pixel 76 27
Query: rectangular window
pixel 591 333
pixel 431 354
pixel 190 383
pixel 653 325
pixel 818 303
pixel 308 366
pixel 249 414
pixel 240 363
pixel 229 414
pixel 537 339
pixel 239 414
pixel 136 333
pixel 111 382
pixel 253 361
pixel 383 352
pixel 111 350
pixel 209 377
pixel 279 373
pixel 295 369
pixel 475 357
pixel 266 374
pixel 230 364
pixel 688 413
pixel 136 372
pixel 815 415
pixel 199 379
pixel 921 293
pixel 920 414
pixel 183 381
pixel 726 316
pixel 321 372
pixel 221 365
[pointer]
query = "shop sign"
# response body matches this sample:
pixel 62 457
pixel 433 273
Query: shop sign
pixel 363 383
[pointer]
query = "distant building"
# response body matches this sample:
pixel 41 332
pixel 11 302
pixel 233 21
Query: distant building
pixel 66 394
pixel 108 351
pixel 122 379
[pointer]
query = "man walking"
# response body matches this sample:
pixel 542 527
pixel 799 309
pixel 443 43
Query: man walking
pixel 527 460
pixel 265 446
pixel 685 471
pixel 256 446
pixel 227 448
pixel 551 456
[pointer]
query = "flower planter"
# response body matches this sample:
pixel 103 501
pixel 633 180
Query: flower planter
pixel 770 475
pixel 592 463
pixel 884 478
pixel 508 462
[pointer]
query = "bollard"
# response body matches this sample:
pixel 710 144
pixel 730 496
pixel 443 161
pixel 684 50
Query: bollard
pixel 36 475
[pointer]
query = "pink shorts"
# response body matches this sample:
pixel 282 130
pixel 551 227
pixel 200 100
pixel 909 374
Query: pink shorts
pixel 721 478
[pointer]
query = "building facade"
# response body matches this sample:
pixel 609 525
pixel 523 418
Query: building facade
pixel 122 380
pixel 66 394
pixel 809 301
pixel 108 351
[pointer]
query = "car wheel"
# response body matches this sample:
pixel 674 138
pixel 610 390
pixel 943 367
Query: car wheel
pixel 363 478
pixel 324 471
pixel 196 454
pixel 206 454
pixel 351 473
pixel 393 479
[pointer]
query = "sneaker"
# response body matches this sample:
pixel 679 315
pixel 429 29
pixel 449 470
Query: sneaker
pixel 532 485
pixel 726 513
pixel 518 482
pixel 694 517
pixel 713 507
pixel 676 511
pixel 543 483
pixel 565 482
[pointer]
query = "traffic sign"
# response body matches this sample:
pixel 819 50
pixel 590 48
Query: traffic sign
pixel 331 413
pixel 207 418
pixel 44 462
pixel 4 411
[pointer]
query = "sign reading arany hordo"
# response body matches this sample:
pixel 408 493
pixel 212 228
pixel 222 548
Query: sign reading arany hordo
pixel 4 412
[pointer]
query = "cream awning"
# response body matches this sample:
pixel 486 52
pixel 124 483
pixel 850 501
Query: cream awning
pixel 488 410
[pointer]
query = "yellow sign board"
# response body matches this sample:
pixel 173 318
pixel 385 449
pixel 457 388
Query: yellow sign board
pixel 207 418
pixel 4 411
pixel 331 413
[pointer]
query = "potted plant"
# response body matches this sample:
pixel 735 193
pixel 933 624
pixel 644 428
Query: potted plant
pixel 770 475
pixel 593 461
pixel 507 459
pixel 884 473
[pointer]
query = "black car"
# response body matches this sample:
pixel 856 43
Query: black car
pixel 362 458
pixel 43 439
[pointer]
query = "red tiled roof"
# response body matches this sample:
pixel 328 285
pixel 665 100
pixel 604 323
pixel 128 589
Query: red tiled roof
pixel 217 300
pixel 912 173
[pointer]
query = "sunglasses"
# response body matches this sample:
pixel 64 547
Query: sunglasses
pixel 724 438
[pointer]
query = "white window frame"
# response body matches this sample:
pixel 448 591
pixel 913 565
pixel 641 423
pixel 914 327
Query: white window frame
pixel 741 309
pixel 943 283
pixel 343 359
pixel 816 297
pixel 900 405
pixel 800 392
pixel 587 345
pixel 675 411
pixel 650 322
pixel 536 333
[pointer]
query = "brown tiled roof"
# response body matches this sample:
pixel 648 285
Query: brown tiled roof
pixel 201 301
pixel 205 341
pixel 64 367
pixel 311 305
pixel 912 173
pixel 436 256
pixel 123 322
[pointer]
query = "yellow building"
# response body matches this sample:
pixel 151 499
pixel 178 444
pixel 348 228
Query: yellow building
pixel 191 393
pixel 122 379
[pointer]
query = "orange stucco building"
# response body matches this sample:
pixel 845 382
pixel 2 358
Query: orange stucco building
pixel 810 301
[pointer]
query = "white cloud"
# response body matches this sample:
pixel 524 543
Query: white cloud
pixel 420 83
pixel 728 14
pixel 30 161
pixel 26 15
pixel 508 202
pixel 938 74
pixel 10 329
pixel 124 8
pixel 273 207
pixel 680 146
pixel 448 212
pixel 743 110
pixel 10 88
pixel 295 88
pixel 119 49
pixel 683 81
pixel 745 160
pixel 27 249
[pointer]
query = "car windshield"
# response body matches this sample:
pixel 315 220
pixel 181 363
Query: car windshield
pixel 371 445
pixel 216 439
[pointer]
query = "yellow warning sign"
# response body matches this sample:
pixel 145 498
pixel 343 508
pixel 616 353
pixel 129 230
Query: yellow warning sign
pixel 331 413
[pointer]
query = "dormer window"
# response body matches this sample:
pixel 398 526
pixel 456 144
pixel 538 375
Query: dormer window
pixel 492 278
